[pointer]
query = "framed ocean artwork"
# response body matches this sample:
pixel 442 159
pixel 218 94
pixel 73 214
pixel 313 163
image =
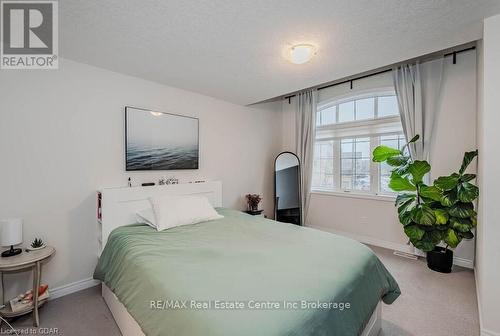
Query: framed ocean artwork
pixel 160 141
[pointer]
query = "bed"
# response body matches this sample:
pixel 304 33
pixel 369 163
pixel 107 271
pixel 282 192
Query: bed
pixel 240 275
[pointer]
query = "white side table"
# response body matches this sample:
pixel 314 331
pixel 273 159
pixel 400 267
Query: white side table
pixel 21 262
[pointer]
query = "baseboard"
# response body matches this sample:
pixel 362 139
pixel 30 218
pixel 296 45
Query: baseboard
pixel 389 245
pixel 478 298
pixel 483 332
pixel 72 288
pixel 368 240
pixel 463 262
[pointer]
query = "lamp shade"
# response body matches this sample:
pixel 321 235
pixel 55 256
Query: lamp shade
pixel 11 231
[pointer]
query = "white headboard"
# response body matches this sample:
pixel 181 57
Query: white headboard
pixel 120 205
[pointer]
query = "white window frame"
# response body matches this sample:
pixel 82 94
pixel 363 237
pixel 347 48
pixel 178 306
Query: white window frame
pixel 365 129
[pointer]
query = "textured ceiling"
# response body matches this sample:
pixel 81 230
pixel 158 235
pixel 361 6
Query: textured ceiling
pixel 233 49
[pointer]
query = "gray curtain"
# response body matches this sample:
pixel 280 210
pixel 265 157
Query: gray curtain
pixel 418 89
pixel 305 118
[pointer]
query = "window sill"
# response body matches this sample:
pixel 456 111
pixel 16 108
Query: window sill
pixel 350 194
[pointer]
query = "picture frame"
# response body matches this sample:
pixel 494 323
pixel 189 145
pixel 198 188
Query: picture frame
pixel 157 140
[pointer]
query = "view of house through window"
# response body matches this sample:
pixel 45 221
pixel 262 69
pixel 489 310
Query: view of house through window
pixel 348 131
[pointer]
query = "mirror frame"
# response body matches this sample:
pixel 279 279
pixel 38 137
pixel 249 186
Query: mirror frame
pixel 300 186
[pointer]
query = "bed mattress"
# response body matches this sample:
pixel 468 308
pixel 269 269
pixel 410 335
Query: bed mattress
pixel 244 275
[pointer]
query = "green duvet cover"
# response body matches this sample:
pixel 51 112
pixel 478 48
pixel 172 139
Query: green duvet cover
pixel 244 275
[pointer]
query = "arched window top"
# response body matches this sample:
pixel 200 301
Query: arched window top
pixel 363 106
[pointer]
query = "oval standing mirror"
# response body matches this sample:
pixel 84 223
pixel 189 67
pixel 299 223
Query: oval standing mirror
pixel 287 188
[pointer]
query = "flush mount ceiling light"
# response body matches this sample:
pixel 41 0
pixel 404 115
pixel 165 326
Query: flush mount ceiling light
pixel 156 114
pixel 302 53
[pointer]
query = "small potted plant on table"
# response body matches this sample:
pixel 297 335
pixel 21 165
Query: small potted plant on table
pixel 253 201
pixel 432 215
pixel 36 244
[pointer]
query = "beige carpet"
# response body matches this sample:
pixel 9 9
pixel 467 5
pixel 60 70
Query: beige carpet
pixel 432 304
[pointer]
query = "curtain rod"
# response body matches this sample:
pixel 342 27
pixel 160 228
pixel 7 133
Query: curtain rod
pixel 351 80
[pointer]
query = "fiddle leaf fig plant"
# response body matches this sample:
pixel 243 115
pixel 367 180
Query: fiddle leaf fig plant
pixel 431 214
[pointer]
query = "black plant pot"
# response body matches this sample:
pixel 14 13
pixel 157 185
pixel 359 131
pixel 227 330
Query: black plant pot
pixel 440 259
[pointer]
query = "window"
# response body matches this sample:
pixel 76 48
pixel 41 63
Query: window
pixel 323 164
pixel 348 131
pixel 393 141
pixel 387 106
pixel 327 116
pixel 373 107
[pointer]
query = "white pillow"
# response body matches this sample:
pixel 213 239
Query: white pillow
pixel 172 211
pixel 146 216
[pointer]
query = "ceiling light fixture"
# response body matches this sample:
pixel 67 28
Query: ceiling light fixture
pixel 302 53
pixel 156 114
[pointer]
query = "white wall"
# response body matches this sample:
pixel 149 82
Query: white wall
pixel 62 137
pixel 375 220
pixel 488 230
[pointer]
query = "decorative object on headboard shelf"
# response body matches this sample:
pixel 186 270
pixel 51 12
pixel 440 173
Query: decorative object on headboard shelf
pixel 160 141
pixel 172 180
pixel 148 184
pixel 253 201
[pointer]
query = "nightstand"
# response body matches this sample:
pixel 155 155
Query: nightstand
pixel 26 260
pixel 258 213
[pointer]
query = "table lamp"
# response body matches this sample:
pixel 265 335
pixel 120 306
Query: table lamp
pixel 11 233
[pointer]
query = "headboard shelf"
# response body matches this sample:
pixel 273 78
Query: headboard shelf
pixel 118 206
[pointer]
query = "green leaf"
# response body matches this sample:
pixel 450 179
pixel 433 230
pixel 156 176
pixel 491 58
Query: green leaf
pixel 400 171
pixel 473 219
pixel 405 212
pixel 447 182
pixel 418 169
pixel 414 232
pixel 462 210
pixel 431 192
pixel 398 183
pixel 467 177
pixel 405 218
pixel 424 245
pixel 414 139
pixel 396 161
pixel 461 224
pixel 441 216
pixel 467 192
pixel 466 235
pixel 441 227
pixel 449 198
pixel 403 198
pixel 424 215
pixel 434 236
pixel 451 238
pixel 382 153
pixel 468 157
